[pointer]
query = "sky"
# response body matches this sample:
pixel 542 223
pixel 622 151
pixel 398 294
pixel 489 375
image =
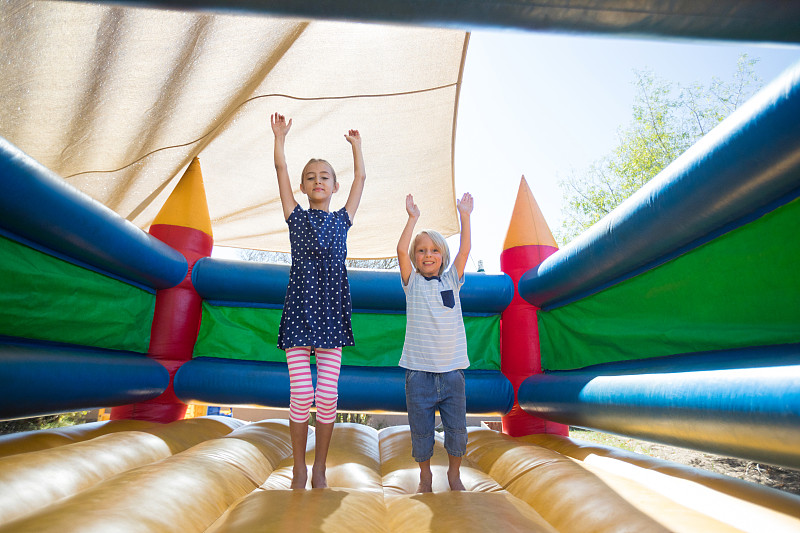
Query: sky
pixel 543 105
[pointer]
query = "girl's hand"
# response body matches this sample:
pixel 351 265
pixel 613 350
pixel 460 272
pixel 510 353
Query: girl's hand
pixel 279 125
pixel 464 205
pixel 353 137
pixel 411 207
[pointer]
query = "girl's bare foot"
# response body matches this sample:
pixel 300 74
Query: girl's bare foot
pixel 299 477
pixel 318 480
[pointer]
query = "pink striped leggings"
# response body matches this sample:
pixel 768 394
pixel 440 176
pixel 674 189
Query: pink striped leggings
pixel 329 361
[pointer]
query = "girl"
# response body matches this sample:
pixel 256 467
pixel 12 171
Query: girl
pixel 316 312
pixel 435 348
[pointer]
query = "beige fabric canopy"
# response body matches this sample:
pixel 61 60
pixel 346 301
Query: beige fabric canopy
pixel 118 101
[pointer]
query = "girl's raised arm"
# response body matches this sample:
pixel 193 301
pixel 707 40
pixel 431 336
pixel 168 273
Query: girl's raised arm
pixel 354 138
pixel 464 207
pixel 280 128
pixel 403 259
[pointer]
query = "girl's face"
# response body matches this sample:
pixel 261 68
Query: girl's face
pixel 318 182
pixel 427 256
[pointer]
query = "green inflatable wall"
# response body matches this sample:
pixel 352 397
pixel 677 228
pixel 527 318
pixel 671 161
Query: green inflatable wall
pixel 45 298
pixel 736 291
pixel 252 333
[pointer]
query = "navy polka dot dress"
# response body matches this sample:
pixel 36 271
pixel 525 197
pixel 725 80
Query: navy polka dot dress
pixel 317 308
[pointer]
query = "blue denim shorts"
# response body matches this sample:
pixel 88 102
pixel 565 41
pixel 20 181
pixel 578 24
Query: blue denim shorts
pixel 427 391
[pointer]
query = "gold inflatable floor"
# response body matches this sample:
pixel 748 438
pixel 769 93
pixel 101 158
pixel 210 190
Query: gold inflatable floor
pixel 221 475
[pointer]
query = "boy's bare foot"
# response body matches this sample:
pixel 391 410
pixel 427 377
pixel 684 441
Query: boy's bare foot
pixel 455 481
pixel 299 477
pixel 425 482
pixel 318 479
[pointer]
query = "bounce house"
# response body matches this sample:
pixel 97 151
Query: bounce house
pixel 675 319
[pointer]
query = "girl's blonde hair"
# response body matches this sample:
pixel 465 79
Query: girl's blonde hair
pixel 315 160
pixel 439 242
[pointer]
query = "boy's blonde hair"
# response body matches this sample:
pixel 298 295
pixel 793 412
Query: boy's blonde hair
pixel 439 241
pixel 315 160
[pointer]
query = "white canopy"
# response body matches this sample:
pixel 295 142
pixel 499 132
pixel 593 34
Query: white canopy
pixel 118 100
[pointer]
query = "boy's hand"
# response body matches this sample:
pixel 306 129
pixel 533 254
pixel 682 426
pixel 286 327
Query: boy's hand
pixel 464 205
pixel 411 207
pixel 353 137
pixel 279 125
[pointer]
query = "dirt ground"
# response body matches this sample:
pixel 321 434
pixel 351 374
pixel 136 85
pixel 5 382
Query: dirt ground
pixel 784 479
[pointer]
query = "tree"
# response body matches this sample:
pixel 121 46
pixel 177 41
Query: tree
pixel 352 418
pixel 42 422
pixel 387 263
pixel 667 119
pixel 261 256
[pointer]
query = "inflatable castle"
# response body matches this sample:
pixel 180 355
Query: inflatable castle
pixel 675 319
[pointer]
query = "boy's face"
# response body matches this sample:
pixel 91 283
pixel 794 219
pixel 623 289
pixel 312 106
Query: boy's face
pixel 427 256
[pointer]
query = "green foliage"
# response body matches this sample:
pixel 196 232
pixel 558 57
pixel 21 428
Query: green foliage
pixel 42 422
pixel 353 418
pixel 667 119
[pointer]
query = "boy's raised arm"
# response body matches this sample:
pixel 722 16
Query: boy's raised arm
pixel 280 128
pixel 403 259
pixel 351 206
pixel 464 207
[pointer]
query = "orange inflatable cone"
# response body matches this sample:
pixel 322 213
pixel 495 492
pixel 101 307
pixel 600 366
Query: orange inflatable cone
pixel 528 243
pixel 184 224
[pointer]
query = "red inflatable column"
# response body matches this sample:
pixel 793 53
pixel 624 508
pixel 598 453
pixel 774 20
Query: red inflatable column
pixel 528 243
pixel 184 224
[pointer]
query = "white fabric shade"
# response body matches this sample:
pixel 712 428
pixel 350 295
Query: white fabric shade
pixel 118 100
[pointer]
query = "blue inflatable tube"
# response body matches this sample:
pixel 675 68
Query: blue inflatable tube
pixel 236 382
pixel 741 403
pixel 43 379
pixel 749 161
pixel 245 282
pixel 42 209
pixel 729 20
